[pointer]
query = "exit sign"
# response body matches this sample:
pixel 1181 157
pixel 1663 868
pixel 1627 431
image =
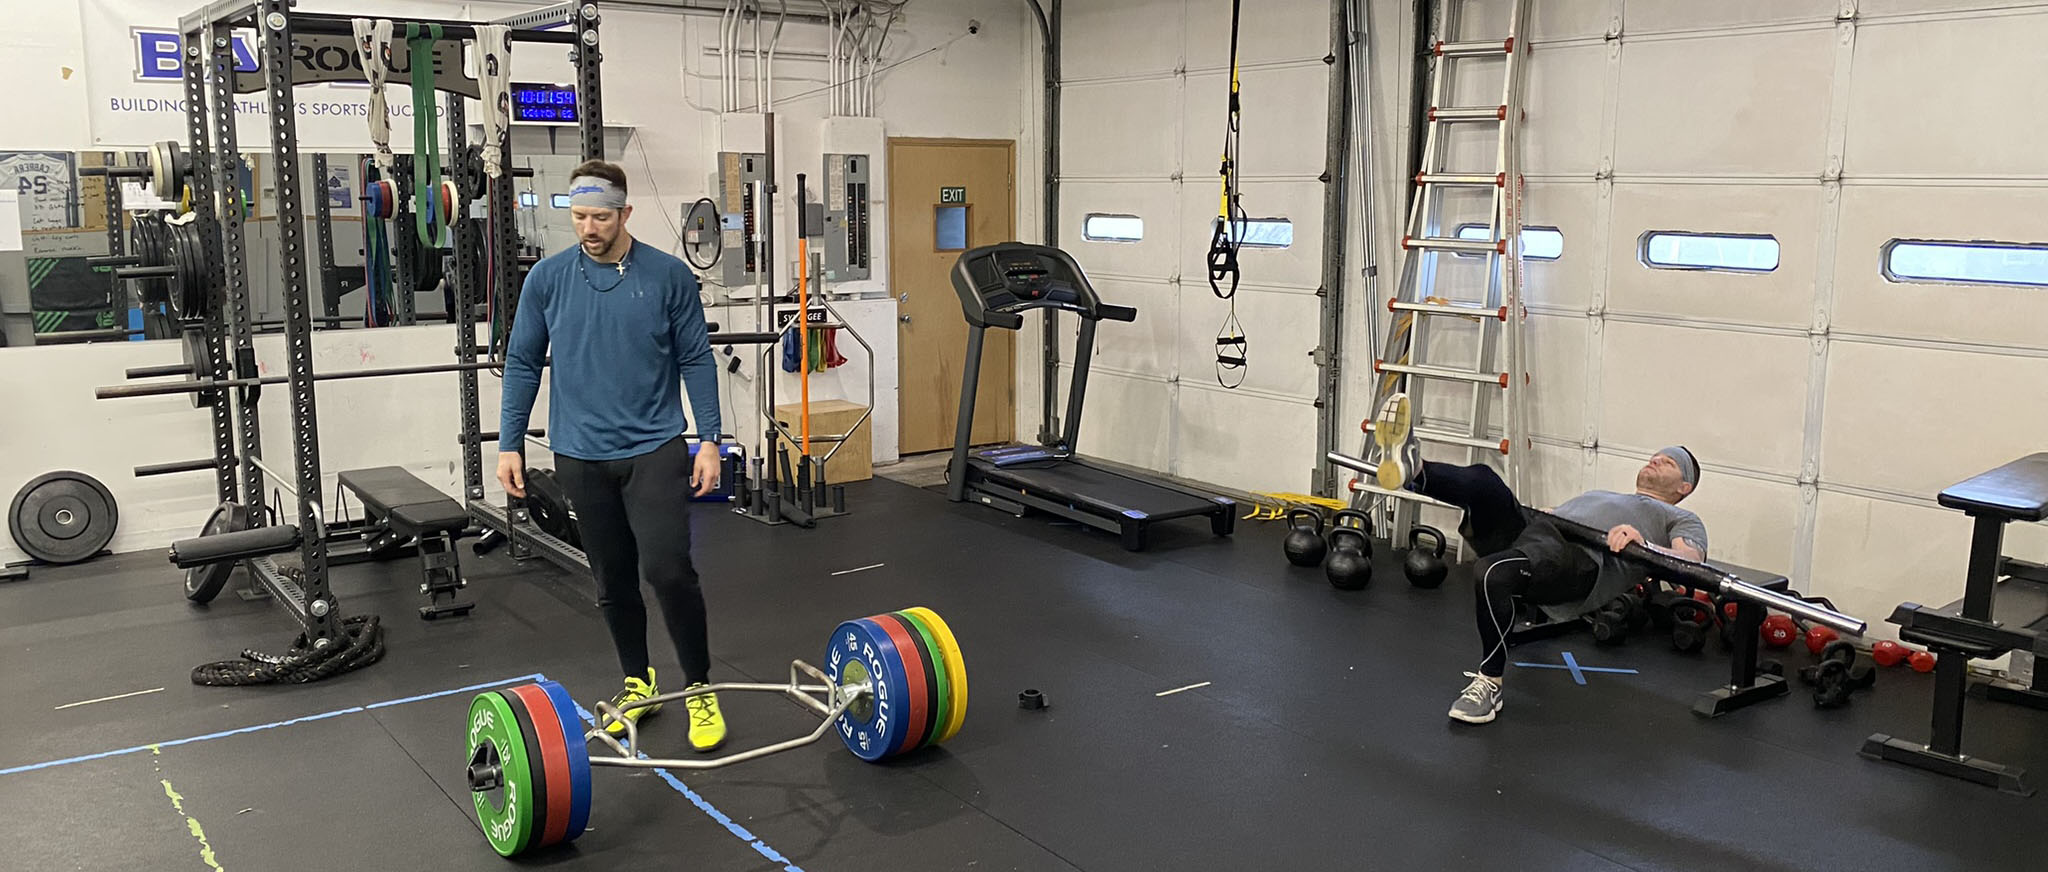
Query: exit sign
pixel 953 195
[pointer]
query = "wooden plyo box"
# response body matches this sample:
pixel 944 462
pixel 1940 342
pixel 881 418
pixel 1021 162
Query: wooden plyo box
pixel 855 460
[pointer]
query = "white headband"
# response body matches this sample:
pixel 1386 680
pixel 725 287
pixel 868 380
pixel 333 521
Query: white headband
pixel 596 193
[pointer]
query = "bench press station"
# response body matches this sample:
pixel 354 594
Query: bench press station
pixel 2004 608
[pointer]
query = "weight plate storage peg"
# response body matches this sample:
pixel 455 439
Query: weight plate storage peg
pixel 860 653
pixel 500 774
pixel 63 517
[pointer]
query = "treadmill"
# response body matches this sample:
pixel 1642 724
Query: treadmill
pixel 997 284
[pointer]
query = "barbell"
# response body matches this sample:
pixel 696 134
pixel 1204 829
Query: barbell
pixel 166 171
pixel 892 683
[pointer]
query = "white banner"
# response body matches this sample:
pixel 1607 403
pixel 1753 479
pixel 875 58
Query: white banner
pixel 135 77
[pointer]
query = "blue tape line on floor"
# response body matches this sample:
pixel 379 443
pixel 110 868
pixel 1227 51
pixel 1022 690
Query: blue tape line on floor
pixel 705 806
pixel 1578 672
pixel 261 727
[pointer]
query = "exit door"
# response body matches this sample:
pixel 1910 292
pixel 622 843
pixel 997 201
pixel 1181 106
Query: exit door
pixel 945 197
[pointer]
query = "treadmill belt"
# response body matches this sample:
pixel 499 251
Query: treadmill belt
pixel 1065 477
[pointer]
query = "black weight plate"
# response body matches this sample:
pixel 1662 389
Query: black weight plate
pixel 149 247
pixel 549 505
pixel 191 283
pixel 199 356
pixel 203 583
pixel 63 517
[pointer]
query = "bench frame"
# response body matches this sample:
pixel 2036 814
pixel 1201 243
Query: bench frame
pixel 1974 627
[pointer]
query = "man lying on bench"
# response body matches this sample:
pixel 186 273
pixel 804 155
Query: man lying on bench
pixel 1526 556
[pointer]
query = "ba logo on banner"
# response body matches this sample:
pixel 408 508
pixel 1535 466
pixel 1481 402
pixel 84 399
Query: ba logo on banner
pixel 160 57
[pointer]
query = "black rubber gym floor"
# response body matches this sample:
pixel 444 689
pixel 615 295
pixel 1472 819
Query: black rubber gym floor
pixel 1319 741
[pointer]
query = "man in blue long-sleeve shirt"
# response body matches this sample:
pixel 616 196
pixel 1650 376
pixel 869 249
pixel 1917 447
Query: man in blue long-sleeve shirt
pixel 623 322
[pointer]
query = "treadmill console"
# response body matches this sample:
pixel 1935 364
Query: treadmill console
pixel 1013 277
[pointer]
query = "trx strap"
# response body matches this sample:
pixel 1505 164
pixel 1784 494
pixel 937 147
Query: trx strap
pixel 494 42
pixel 373 48
pixel 426 142
pixel 1231 346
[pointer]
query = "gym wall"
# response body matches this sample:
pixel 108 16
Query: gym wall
pixel 1829 403
pixel 656 93
pixel 1143 104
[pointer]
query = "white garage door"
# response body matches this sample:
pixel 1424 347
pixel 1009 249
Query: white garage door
pixel 1142 131
pixel 1730 180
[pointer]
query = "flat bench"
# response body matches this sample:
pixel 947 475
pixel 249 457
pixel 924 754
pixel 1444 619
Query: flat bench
pixel 412 510
pixel 2004 608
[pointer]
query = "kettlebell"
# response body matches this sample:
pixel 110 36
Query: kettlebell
pixel 1610 622
pixel 1689 619
pixel 1304 543
pixel 1350 563
pixel 1425 569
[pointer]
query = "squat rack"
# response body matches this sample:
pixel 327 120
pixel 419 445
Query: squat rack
pixel 209 69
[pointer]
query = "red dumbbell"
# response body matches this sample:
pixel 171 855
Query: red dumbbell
pixel 1728 609
pixel 1922 661
pixel 1889 653
pixel 1817 639
pixel 1779 631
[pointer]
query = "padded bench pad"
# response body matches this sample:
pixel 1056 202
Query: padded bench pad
pixel 407 503
pixel 2017 491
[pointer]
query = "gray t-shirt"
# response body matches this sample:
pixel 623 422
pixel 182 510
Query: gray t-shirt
pixel 1660 522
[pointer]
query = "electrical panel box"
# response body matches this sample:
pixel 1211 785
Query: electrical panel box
pixel 847 236
pixel 738 173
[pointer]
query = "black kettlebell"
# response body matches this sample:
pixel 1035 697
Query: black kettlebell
pixel 1304 543
pixel 1425 568
pixel 1689 619
pixel 1610 623
pixel 1350 563
pixel 1839 673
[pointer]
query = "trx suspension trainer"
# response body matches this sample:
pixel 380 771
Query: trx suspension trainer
pixel 1231 347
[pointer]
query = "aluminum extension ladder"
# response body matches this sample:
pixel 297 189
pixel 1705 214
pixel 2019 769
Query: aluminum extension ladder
pixel 1454 275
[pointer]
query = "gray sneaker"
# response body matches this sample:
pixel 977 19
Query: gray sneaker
pixel 1400 452
pixel 1480 701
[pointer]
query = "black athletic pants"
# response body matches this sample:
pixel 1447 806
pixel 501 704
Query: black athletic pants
pixel 634 517
pixel 1524 557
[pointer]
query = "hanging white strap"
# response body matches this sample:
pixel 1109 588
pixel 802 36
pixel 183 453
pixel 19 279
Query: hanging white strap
pixel 373 48
pixel 494 43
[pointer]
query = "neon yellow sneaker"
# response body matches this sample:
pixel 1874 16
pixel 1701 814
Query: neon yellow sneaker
pixel 707 724
pixel 635 691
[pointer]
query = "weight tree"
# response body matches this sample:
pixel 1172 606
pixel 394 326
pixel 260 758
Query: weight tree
pixel 226 364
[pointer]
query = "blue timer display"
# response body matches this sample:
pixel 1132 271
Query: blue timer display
pixel 544 103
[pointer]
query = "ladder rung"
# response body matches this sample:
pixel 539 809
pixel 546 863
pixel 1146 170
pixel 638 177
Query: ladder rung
pixel 1469 113
pixel 1480 179
pixel 1360 485
pixel 1478 378
pixel 1475 49
pixel 1465 246
pixel 1449 438
pixel 1457 310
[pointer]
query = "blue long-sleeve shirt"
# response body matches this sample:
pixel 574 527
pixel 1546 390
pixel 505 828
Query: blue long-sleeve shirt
pixel 619 345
